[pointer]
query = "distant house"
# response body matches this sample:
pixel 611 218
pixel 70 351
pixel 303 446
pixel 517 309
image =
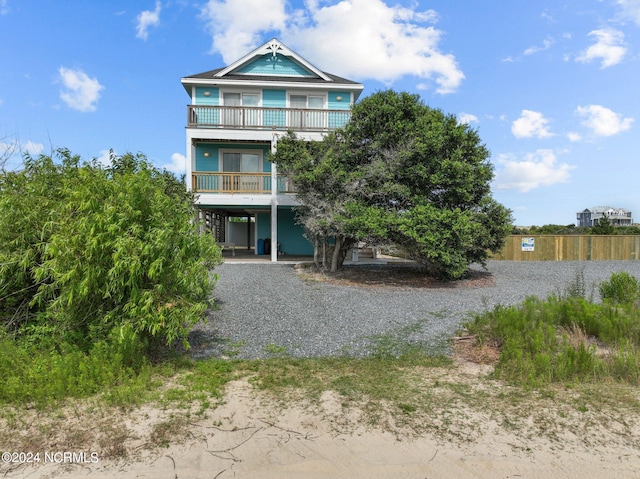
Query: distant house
pixel 234 120
pixel 616 216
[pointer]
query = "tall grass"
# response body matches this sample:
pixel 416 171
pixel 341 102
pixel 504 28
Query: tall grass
pixel 39 375
pixel 563 339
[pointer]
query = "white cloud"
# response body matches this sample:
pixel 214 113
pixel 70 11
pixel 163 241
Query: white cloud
pixel 80 92
pixel 4 7
pixel 573 136
pixel 603 121
pixel 384 42
pixel 32 148
pixel 531 124
pixel 8 149
pixel 178 164
pixel 11 153
pixel 630 9
pixel 104 158
pixel 236 26
pixel 546 44
pixel 533 171
pixel 609 47
pixel 146 19
pixel 467 118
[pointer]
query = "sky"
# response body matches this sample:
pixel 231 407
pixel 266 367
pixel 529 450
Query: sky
pixel 551 86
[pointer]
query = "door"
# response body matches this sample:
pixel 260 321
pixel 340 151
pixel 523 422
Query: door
pixel 241 163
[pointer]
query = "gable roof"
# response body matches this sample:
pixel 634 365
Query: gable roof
pixel 273 47
pixel 272 62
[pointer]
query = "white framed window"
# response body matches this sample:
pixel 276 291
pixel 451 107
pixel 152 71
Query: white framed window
pixel 302 114
pixel 240 111
pixel 241 161
pixel 242 170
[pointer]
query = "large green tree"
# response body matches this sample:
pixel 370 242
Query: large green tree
pixel 87 251
pixel 400 172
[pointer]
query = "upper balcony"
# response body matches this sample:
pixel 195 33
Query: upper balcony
pixel 260 118
pixel 232 183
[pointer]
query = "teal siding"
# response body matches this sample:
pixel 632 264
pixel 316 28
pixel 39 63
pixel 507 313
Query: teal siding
pixel 207 163
pixel 263 221
pixel 337 120
pixel 335 104
pixel 211 163
pixel 290 234
pixel 274 99
pixel 266 164
pixel 212 99
pixel 278 65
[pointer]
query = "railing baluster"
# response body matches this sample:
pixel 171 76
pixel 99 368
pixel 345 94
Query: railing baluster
pixel 259 183
pixel 266 118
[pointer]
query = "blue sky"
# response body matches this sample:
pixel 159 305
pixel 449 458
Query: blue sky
pixel 550 85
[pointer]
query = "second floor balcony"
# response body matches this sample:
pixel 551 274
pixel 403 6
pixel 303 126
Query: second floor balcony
pixel 260 118
pixel 231 183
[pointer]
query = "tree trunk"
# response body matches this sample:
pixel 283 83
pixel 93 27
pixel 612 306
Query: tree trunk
pixel 316 251
pixel 324 252
pixel 337 253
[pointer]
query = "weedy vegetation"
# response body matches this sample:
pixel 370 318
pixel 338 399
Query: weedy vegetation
pixel 567 338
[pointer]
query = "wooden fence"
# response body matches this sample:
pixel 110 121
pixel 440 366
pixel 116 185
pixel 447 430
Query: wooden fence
pixel 570 247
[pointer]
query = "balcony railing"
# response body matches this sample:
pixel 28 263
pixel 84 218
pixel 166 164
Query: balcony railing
pixel 257 183
pixel 257 118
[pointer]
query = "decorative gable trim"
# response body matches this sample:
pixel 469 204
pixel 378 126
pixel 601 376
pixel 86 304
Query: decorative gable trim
pixel 273 47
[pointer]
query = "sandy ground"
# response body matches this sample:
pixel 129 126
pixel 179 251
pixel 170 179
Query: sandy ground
pixel 249 436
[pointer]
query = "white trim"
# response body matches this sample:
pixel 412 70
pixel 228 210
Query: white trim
pixel 274 229
pixel 219 82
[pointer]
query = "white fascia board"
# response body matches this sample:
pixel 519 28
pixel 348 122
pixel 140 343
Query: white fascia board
pixel 357 87
pixel 221 134
pixel 221 199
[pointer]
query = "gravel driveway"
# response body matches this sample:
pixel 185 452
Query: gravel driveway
pixel 267 309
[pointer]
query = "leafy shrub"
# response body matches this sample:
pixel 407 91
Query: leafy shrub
pixel 621 288
pixel 89 254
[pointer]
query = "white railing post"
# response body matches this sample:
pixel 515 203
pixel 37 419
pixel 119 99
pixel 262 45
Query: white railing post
pixel 274 203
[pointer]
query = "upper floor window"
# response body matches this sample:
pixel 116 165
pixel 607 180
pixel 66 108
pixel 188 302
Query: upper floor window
pixel 301 116
pixel 241 116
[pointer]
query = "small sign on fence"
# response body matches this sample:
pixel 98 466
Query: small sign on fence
pixel 528 244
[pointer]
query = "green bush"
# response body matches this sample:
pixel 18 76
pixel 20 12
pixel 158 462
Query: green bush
pixel 621 288
pixel 89 254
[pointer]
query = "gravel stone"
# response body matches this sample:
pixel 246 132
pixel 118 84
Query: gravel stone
pixel 267 309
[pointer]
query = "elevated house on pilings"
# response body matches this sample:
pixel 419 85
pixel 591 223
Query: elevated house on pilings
pixel 615 216
pixel 236 115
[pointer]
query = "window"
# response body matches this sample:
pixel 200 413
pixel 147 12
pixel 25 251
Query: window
pixel 236 115
pixel 247 163
pixel 302 114
pixel 241 162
